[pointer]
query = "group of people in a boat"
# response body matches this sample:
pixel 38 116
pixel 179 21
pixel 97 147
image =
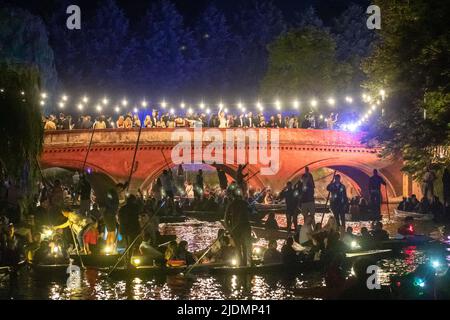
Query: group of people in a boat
pixel 426 205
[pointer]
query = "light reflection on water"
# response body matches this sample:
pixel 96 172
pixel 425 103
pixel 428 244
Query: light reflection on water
pixel 199 235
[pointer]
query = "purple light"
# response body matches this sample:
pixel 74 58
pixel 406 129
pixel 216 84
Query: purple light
pixel 89 170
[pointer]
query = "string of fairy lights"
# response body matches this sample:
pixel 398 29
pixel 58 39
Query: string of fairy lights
pixel 106 105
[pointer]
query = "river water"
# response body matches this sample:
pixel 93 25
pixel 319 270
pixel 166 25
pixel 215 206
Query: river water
pixel 96 286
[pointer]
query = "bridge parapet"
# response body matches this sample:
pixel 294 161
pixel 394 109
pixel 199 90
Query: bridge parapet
pixel 162 137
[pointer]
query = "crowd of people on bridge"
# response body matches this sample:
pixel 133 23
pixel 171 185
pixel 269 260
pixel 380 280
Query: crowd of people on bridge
pixel 310 120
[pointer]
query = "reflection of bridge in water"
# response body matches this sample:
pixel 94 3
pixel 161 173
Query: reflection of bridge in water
pixel 112 151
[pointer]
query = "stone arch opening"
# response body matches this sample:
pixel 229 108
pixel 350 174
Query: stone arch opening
pixel 357 176
pixel 100 181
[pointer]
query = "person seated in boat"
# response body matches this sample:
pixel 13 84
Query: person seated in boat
pixel 407 229
pixel 226 253
pixel 348 236
pixel 424 206
pixel 306 232
pixel 149 224
pixel 271 223
pixel 11 247
pixel 272 255
pixel 365 239
pixel 331 225
pixel 170 254
pixel 91 239
pixel 402 206
pixel 288 254
pixel 335 249
pixel 149 252
pixel 414 204
pixel 42 253
pixel 378 233
pixel 182 254
pixel 77 223
pixel 32 247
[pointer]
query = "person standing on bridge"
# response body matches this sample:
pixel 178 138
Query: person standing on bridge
pixel 306 189
pixel 375 183
pixel 339 200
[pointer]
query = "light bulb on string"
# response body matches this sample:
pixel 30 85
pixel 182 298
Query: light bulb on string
pixel 105 101
pixel 313 103
pixel 124 102
pixel 331 101
pixel 296 104
pixel 164 104
pixel 349 99
pixel 64 98
pixel 85 99
pixel 278 105
pixel 182 105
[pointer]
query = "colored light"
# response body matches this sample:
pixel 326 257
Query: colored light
pixel 313 103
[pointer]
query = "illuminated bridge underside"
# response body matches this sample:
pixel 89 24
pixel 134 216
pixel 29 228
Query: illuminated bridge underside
pixel 112 153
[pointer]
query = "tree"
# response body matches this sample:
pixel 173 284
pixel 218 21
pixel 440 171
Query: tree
pixel 257 24
pixel 303 63
pixel 20 124
pixel 24 39
pixel 166 51
pixel 354 41
pixel 217 51
pixel 308 18
pixel 108 34
pixel 411 63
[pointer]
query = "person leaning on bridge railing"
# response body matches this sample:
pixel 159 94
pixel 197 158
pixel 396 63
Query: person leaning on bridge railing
pixel 220 120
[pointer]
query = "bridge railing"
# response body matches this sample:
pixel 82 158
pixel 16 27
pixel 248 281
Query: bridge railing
pixel 165 136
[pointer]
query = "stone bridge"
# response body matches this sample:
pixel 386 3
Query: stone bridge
pixel 112 151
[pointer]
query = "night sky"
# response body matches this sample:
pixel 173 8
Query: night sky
pixel 326 9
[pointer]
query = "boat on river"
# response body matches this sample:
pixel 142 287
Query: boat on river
pixel 400 215
pixel 305 266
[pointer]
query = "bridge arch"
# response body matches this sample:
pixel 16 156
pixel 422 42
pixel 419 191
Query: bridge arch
pixel 99 179
pixel 357 173
pixel 230 170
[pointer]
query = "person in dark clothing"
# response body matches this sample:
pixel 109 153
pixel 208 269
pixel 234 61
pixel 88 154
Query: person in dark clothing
pixel 271 223
pixel 378 234
pixel 198 186
pixel 272 255
pixel 375 183
pixel 305 188
pixel 128 219
pixel 339 200
pixel 240 178
pixel 85 195
pixel 238 224
pixel 11 247
pixel 403 204
pixel 288 254
pixel 223 182
pixel 288 195
pixel 182 253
